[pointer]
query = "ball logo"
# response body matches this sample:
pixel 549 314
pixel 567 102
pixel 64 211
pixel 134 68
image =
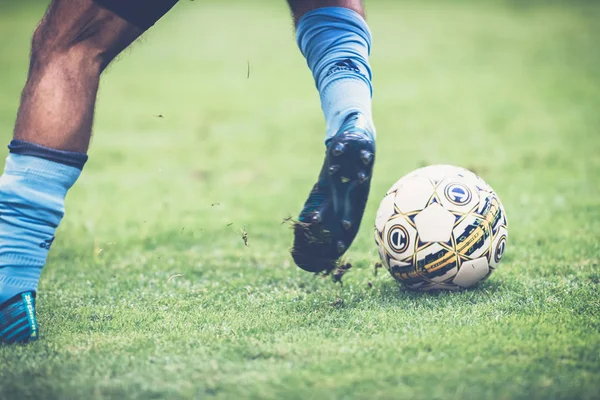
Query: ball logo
pixel 500 246
pixel 398 238
pixel 458 194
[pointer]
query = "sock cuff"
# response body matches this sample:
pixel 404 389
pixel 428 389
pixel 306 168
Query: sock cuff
pixel 334 18
pixel 69 158
pixel 37 168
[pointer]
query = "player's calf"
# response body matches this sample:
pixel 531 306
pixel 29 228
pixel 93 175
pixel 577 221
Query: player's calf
pixel 71 46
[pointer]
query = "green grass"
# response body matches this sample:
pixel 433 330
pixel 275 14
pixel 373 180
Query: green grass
pixel 150 293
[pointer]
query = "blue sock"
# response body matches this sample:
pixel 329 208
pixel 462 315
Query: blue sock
pixel 336 43
pixel 32 196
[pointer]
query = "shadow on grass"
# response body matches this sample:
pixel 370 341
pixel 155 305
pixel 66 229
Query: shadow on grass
pixel 391 291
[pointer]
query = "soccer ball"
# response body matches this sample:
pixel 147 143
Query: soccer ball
pixel 441 227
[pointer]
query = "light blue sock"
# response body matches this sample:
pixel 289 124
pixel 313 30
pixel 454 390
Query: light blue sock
pixel 336 43
pixel 32 196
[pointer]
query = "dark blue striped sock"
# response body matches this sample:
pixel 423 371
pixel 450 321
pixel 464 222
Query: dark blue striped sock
pixel 17 319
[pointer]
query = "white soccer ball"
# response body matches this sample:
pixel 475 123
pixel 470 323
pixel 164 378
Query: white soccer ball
pixel 441 227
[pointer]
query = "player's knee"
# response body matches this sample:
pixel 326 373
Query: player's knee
pixel 90 39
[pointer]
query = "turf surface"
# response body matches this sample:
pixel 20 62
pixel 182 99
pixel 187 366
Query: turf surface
pixel 211 125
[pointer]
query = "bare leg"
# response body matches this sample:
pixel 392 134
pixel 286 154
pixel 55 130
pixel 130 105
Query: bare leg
pixel 72 45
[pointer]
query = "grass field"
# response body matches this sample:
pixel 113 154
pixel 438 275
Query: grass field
pixel 149 291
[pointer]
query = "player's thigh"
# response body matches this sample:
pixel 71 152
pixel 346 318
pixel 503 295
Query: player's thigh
pixel 141 13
